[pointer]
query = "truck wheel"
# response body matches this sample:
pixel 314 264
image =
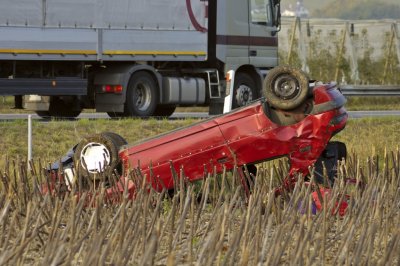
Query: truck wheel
pixel 43 114
pixel 61 108
pixel 96 156
pixel 286 87
pixel 142 95
pixel 115 114
pixel 245 90
pixel 165 110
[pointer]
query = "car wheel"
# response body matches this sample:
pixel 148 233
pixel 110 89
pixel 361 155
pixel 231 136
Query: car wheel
pixel 96 157
pixel 118 139
pixel 245 90
pixel 142 95
pixel 341 150
pixel 252 173
pixel 286 87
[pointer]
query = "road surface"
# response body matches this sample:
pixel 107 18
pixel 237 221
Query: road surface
pixel 352 114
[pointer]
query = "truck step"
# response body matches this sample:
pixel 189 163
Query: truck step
pixel 213 84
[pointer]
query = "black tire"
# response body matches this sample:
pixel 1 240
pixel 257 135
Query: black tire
pixel 87 163
pixel 252 173
pixel 115 114
pixel 64 108
pixel 43 114
pixel 142 95
pixel 334 151
pixel 118 139
pixel 342 150
pixel 286 87
pixel 165 110
pixel 244 91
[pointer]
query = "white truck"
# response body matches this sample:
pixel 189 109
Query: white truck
pixel 135 57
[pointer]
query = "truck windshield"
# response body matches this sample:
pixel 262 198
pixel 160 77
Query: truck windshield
pixel 262 12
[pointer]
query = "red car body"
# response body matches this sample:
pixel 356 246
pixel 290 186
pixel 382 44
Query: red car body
pixel 244 136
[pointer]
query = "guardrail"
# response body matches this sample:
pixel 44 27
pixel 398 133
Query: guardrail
pixel 370 90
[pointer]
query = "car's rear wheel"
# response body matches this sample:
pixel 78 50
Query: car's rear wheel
pixel 118 139
pixel 286 87
pixel 96 157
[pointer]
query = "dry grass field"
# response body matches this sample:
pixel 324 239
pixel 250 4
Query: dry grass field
pixel 212 222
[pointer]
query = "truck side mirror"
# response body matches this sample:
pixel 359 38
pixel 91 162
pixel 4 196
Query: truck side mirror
pixel 276 16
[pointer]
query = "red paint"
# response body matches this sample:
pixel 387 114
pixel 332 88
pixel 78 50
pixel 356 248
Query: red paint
pixel 340 207
pixel 193 19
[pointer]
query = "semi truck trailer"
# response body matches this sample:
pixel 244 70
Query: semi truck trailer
pixel 135 57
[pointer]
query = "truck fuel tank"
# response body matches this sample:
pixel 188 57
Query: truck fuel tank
pixel 178 90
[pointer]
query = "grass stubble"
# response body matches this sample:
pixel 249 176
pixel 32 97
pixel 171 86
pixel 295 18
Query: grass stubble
pixel 212 222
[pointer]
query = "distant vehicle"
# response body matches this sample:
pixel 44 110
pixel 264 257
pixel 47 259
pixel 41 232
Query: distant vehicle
pixel 300 11
pixel 297 121
pixel 137 57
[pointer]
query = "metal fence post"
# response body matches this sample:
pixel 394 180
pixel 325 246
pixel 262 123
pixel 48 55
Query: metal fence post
pixel 29 140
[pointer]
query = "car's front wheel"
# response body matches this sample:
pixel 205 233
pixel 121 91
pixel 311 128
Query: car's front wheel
pixel 286 87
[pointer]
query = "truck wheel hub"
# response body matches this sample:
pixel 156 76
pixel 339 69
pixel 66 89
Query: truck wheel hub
pixel 244 95
pixel 286 87
pixel 95 157
pixel 143 97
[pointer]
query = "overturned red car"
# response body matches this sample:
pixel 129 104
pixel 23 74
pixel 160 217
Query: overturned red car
pixel 296 119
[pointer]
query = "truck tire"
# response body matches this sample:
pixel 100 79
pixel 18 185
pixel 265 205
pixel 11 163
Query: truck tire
pixel 142 95
pixel 286 87
pixel 164 110
pixel 244 91
pixel 96 157
pixel 115 114
pixel 43 114
pixel 61 109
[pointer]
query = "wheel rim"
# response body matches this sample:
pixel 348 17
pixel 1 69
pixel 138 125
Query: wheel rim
pixel 142 97
pixel 286 87
pixel 244 95
pixel 95 157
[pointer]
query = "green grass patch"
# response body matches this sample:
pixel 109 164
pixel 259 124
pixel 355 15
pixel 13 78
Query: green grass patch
pixel 370 103
pixel 371 136
pixel 51 140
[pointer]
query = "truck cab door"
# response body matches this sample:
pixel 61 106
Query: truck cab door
pixel 263 46
pixel 232 32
